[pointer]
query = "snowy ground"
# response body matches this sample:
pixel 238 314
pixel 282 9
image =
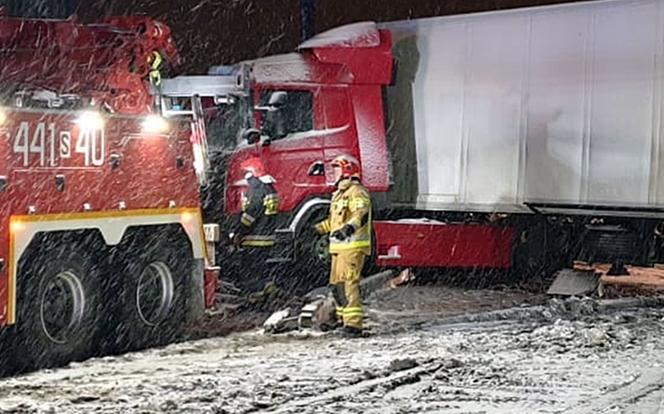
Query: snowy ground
pixel 575 357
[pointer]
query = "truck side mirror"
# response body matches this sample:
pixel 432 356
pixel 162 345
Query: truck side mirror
pixel 251 135
pixel 277 99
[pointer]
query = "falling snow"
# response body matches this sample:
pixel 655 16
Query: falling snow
pixel 483 113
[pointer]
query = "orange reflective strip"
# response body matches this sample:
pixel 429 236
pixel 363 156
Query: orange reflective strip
pixel 12 264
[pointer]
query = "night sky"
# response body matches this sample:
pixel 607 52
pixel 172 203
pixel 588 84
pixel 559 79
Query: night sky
pixel 211 32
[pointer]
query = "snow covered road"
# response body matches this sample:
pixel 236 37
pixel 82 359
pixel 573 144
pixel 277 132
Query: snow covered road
pixel 556 358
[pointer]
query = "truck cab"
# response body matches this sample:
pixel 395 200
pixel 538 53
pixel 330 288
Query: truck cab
pixel 307 108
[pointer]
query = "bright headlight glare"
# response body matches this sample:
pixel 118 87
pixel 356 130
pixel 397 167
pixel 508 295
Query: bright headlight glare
pixel 90 120
pixel 16 226
pixel 3 117
pixel 187 217
pixel 154 124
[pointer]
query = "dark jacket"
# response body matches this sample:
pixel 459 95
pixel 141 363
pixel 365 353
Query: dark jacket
pixel 258 219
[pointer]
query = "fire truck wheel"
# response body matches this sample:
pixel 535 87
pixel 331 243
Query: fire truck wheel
pixel 314 255
pixel 154 297
pixel 59 306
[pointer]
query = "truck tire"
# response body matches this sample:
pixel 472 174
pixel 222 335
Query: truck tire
pixel 59 306
pixel 154 298
pixel 313 257
pixel 314 260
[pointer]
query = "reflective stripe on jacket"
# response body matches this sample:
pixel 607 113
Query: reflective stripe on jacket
pixel 257 241
pixel 260 205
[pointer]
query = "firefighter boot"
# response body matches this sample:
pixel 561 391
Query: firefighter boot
pixel 352 332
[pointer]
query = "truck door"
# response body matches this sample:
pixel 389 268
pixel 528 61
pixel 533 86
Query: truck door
pixel 341 136
pixel 293 153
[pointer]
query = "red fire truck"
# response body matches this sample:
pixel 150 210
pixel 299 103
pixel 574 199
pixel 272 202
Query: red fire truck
pixel 103 243
pixel 523 139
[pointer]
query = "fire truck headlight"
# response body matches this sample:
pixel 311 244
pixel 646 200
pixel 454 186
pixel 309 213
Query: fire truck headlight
pixel 3 117
pixel 154 124
pixel 90 120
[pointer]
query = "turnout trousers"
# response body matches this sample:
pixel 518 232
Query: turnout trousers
pixel 345 279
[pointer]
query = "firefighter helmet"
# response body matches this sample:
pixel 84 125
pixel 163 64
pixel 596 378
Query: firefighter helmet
pixel 253 167
pixel 350 166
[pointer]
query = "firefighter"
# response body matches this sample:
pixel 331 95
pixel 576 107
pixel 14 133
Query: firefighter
pixel 254 231
pixel 260 203
pixel 349 226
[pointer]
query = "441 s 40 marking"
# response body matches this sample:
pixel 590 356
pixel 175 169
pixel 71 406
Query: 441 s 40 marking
pixel 44 144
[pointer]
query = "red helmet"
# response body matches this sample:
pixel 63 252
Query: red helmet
pixel 253 166
pixel 350 166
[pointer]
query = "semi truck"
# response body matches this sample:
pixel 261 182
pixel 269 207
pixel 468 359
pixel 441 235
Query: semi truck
pixel 527 140
pixel 102 242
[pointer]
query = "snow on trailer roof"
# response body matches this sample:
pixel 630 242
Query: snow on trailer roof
pixel 365 34
pixel 362 34
pixel 397 26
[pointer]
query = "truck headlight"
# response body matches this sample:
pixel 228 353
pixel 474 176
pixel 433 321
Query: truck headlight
pixel 155 124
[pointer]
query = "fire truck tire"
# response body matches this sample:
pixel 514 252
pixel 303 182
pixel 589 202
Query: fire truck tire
pixel 155 293
pixel 314 258
pixel 7 366
pixel 313 255
pixel 60 306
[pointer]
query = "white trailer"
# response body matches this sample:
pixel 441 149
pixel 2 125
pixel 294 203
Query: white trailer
pixel 556 106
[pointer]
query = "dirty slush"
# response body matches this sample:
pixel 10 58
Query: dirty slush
pixel 472 351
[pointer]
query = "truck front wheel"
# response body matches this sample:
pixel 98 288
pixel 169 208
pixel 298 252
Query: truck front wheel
pixel 313 256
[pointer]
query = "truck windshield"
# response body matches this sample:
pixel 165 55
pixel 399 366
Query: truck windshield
pixel 225 124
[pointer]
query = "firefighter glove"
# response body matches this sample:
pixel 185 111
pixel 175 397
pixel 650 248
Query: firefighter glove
pixel 344 232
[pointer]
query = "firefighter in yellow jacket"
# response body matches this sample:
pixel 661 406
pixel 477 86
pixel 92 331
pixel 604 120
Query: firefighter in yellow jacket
pixel 349 226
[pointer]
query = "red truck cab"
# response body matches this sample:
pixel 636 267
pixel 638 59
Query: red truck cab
pixel 330 103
